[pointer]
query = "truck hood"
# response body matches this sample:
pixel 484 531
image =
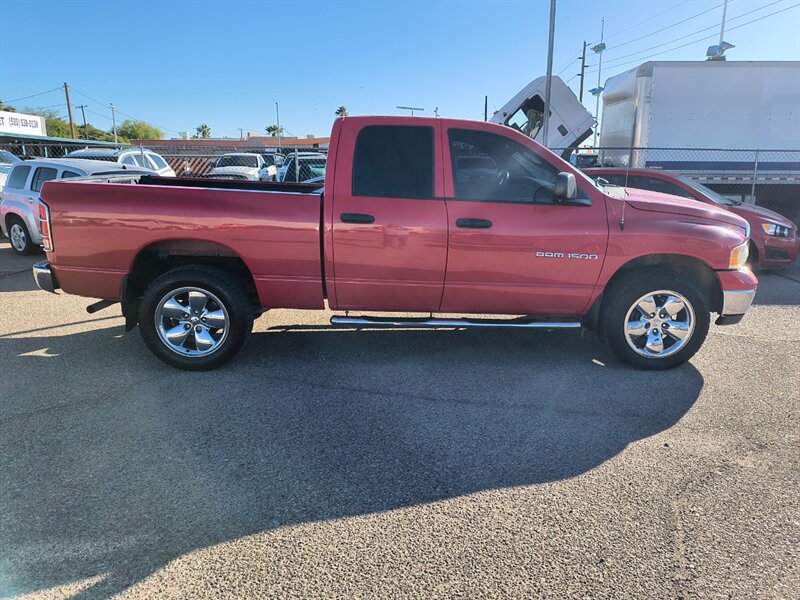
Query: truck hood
pixel 758 214
pixel 249 172
pixel 665 203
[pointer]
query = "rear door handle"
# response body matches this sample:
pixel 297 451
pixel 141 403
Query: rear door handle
pixel 356 218
pixel 474 223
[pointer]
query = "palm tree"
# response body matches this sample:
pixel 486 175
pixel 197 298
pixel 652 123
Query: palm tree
pixel 203 131
pixel 274 130
pixel 341 112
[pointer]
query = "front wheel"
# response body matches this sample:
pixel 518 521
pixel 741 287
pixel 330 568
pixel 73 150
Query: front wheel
pixel 195 318
pixel 655 319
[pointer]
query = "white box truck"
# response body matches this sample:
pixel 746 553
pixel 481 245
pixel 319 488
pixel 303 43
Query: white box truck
pixel 713 120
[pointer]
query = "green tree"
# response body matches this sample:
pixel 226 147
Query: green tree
pixel 6 107
pixel 341 112
pixel 274 130
pixel 139 130
pixel 203 131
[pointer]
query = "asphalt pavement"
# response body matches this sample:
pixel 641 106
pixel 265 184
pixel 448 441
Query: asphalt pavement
pixel 448 463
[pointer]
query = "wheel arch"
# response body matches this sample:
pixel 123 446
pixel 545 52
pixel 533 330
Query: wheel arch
pixel 155 259
pixel 694 268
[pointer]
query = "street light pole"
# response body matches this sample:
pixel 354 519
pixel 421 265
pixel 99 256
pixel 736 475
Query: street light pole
pixel 69 112
pixel 550 41
pixel 601 47
pixel 278 119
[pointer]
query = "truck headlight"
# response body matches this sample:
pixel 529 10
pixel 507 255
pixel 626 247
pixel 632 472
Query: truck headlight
pixel 775 230
pixel 739 255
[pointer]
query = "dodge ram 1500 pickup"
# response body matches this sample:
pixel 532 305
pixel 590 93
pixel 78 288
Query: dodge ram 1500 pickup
pixel 417 215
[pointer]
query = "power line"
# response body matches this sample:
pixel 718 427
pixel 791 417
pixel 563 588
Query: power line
pixel 647 20
pixel 683 37
pixel 58 89
pixel 708 37
pixel 108 105
pixel 668 26
pixel 574 60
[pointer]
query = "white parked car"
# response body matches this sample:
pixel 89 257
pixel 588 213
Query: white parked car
pixel 238 165
pixel 19 199
pixel 135 158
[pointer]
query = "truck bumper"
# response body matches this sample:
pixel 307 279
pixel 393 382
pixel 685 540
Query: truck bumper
pixel 44 277
pixel 738 291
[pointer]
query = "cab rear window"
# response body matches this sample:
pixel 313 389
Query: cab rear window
pixel 394 161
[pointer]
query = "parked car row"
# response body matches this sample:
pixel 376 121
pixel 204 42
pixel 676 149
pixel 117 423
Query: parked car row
pixel 250 166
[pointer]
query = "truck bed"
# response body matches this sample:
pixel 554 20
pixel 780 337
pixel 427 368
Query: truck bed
pixel 273 228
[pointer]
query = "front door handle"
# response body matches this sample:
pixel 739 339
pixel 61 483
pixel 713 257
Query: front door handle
pixel 357 218
pixel 474 223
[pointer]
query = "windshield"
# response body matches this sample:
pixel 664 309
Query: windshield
pixel 239 160
pixel 7 158
pixel 708 193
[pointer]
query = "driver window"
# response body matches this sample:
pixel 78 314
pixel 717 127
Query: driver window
pixel 491 167
pixel 529 117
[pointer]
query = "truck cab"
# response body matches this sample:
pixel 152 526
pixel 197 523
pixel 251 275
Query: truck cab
pixel 570 122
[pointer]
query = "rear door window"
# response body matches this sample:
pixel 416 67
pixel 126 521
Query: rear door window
pixel 18 177
pixel 394 161
pixel 41 175
pixel 128 160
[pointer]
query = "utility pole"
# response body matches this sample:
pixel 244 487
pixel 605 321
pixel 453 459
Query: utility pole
pixel 722 27
pixel 583 71
pixel 278 118
pixel 69 112
pixel 114 122
pixel 83 112
pixel 550 41
pixel 486 108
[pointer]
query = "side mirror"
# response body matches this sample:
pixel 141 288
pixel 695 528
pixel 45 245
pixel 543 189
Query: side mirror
pixel 565 189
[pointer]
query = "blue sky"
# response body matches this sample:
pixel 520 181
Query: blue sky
pixel 178 64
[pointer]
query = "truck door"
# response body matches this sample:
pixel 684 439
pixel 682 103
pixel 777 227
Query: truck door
pixel 389 218
pixel 512 249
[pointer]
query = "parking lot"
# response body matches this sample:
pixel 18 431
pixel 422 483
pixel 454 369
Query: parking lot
pixel 394 463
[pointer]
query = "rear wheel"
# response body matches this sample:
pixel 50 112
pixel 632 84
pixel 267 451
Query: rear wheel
pixel 654 319
pixel 195 318
pixel 19 236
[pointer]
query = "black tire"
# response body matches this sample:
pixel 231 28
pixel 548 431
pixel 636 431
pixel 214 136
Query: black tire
pixel 752 258
pixel 621 297
pixel 27 247
pixel 221 289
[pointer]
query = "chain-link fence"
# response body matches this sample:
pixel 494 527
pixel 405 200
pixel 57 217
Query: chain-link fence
pixel 768 178
pixel 287 163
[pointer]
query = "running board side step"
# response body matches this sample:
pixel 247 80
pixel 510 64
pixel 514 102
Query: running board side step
pixel 430 322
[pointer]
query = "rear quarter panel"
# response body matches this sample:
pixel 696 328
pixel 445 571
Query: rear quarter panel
pixel 100 228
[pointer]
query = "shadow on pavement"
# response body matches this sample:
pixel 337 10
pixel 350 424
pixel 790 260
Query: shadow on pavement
pixel 114 464
pixel 12 264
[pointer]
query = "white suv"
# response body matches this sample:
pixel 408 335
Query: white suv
pixel 137 158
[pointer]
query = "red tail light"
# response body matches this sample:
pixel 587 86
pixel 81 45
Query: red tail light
pixel 44 226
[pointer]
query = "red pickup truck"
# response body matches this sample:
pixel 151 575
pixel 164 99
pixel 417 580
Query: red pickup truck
pixel 417 215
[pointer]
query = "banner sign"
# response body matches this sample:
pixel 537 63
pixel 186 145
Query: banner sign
pixel 13 122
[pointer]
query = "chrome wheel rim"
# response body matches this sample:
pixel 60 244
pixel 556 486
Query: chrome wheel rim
pixel 659 324
pixel 18 237
pixel 192 322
